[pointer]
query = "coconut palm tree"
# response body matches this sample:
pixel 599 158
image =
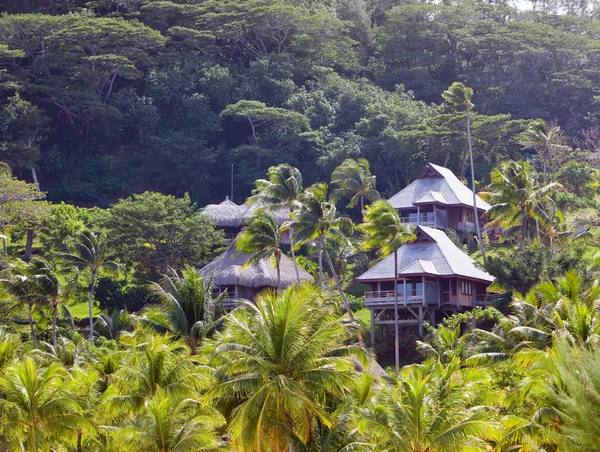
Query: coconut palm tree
pixel 280 190
pixel 261 237
pixel 556 229
pixel 283 361
pixel 352 179
pixel 25 291
pixel 547 140
pixel 383 230
pixel 314 220
pixel 459 97
pixel 155 361
pixel 516 197
pixel 432 408
pixel 36 407
pixel 188 309
pixel 567 308
pixel 49 288
pixel 169 424
pixel 111 325
pixel 89 252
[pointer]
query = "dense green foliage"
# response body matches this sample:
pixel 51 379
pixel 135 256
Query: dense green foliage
pixel 102 99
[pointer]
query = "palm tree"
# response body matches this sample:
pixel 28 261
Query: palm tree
pixel 516 197
pixel 280 190
pixel 111 325
pixel 315 219
pixel 432 408
pixel 25 291
pixel 261 237
pixel 547 140
pixel 459 96
pixel 168 424
pixel 36 407
pixel 566 308
pixel 384 231
pixel 283 361
pixel 49 288
pixel 353 180
pixel 557 230
pixel 155 361
pixel 187 309
pixel 89 252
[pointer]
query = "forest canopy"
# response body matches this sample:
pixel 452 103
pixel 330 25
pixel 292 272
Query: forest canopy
pixel 103 99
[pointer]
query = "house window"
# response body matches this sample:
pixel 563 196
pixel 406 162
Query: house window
pixel 470 216
pixel 467 288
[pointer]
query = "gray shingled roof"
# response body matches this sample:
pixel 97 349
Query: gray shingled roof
pixel 433 253
pixel 431 197
pixel 453 191
pixel 230 214
pixel 228 270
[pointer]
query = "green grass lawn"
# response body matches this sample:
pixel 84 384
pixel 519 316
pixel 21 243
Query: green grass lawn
pixel 363 316
pixel 80 311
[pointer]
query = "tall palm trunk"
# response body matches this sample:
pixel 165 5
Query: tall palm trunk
pixel 339 287
pixel 477 226
pixel 54 321
pixel 90 300
pixel 523 229
pixel 31 326
pixel 294 256
pixel 3 232
pixel 320 267
pixel 336 279
pixel 396 326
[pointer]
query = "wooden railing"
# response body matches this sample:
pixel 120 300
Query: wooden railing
pixel 387 296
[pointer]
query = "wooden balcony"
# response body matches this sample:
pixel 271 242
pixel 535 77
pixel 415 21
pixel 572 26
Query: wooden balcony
pixel 386 297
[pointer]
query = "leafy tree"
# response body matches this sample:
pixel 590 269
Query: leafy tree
pixel 62 221
pixel 262 238
pixel 179 235
pixel 549 143
pixel 459 96
pixel 384 231
pixel 515 195
pixel 187 309
pixel 353 180
pixel 282 358
pixel 580 178
pixel 13 192
pixel 36 406
pixel 89 252
pixel 280 190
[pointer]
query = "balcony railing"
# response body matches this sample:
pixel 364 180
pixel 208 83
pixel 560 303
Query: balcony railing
pixel 387 297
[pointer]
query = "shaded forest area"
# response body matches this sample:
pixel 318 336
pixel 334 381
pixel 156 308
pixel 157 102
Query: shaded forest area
pixel 106 98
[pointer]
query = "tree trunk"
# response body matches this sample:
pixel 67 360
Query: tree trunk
pixel 3 231
pixel 362 207
pixel 320 267
pixel 29 245
pixel 396 326
pixel 291 231
pixel 278 274
pixel 477 226
pixel 339 285
pixel 35 178
pixel 79 436
pixel 523 230
pixel 31 327
pixel 90 299
pixel 54 321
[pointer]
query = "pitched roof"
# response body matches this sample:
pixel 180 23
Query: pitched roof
pixel 230 214
pixel 436 179
pixel 431 197
pixel 433 253
pixel 228 270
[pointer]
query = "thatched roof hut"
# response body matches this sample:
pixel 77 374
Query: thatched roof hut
pixel 228 270
pixel 231 215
